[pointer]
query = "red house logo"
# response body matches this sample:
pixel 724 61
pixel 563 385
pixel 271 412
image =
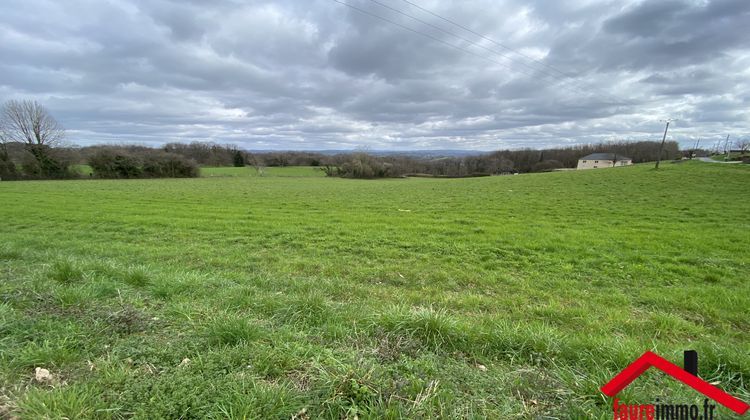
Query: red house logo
pixel 649 359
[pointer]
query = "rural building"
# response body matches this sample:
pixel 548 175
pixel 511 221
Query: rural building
pixel 603 160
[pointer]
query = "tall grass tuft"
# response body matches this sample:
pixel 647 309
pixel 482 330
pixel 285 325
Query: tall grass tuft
pixel 434 328
pixel 232 330
pixel 310 309
pixel 68 402
pixel 136 276
pixel 255 400
pixel 66 272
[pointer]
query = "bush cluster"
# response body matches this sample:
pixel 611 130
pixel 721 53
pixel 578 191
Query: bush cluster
pixel 8 170
pixel 19 161
pixel 112 163
pixel 364 166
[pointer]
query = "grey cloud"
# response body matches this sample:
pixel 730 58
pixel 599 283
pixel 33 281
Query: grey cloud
pixel 312 75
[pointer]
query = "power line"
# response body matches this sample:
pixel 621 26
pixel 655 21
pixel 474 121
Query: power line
pixel 467 29
pixel 448 43
pixel 445 31
pixel 566 76
pixel 457 47
pixel 465 50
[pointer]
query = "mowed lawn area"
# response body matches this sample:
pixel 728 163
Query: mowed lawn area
pixel 273 297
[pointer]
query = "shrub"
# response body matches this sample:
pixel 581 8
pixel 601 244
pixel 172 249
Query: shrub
pixel 169 165
pixel 115 164
pixel 364 166
pixel 238 159
pixel 8 170
pixel 45 162
pixel 30 167
pixel 331 170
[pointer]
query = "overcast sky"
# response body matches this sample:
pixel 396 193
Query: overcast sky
pixel 320 75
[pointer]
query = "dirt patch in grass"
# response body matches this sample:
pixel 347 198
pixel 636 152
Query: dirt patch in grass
pixel 539 392
pixel 129 320
pixel 121 319
pixel 391 347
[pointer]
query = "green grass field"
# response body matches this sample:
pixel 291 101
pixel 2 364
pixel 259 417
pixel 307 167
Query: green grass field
pixel 273 297
pixel 82 170
pixel 249 171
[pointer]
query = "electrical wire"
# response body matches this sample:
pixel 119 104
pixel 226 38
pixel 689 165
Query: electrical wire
pixel 465 50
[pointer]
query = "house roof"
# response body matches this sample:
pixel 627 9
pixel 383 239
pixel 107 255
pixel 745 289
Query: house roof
pixel 649 359
pixel 604 156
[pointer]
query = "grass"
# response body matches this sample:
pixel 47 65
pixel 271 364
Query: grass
pixel 82 170
pixel 256 297
pixel 250 171
pixel 732 157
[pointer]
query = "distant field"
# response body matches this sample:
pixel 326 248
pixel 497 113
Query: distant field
pixel 249 171
pixel 732 156
pixel 84 170
pixel 499 297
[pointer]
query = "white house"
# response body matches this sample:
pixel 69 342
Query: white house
pixel 603 160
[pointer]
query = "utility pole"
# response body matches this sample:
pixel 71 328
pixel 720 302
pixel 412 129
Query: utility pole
pixel 726 148
pixel 663 139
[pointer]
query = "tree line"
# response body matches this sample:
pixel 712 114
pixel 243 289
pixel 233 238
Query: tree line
pixel 31 147
pixel 368 165
pixel 501 162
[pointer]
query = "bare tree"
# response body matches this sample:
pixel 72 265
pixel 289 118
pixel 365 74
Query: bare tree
pixel 259 167
pixel 743 144
pixel 30 123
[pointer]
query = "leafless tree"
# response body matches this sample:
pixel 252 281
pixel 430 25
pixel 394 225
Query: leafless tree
pixel 30 123
pixel 743 144
pixel 259 167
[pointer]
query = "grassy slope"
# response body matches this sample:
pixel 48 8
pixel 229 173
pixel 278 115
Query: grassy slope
pixel 732 157
pixel 501 296
pixel 82 170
